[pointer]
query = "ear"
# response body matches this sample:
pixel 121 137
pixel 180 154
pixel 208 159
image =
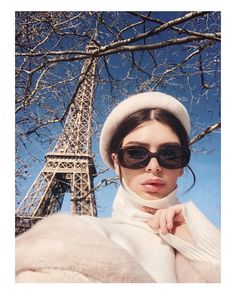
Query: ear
pixel 115 163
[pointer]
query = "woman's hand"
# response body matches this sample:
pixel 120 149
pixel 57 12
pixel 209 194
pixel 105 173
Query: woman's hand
pixel 169 220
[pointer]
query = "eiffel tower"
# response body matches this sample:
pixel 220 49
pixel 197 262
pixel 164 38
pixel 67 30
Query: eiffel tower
pixel 70 167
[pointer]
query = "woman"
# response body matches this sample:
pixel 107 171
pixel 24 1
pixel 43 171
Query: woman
pixel 150 237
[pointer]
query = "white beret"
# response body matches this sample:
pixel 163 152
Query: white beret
pixel 147 100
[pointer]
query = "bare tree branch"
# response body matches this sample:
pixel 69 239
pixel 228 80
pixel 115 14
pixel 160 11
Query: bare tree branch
pixel 179 30
pixel 208 130
pixel 137 51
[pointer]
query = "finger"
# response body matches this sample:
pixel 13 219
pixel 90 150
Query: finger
pixel 163 223
pixel 155 221
pixel 174 218
pixel 169 219
pixel 179 217
pixel 153 224
pixel 148 210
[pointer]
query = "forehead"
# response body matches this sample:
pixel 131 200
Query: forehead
pixel 151 133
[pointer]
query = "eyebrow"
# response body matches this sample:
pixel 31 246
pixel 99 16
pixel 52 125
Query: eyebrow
pixel 137 143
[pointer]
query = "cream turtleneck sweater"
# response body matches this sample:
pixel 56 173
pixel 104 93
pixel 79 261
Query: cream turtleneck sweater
pixel 155 252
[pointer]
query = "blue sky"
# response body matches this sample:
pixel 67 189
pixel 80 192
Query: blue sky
pixel 204 111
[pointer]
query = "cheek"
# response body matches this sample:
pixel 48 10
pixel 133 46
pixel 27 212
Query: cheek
pixel 116 166
pixel 173 175
pixel 131 177
pixel 181 172
pixel 115 163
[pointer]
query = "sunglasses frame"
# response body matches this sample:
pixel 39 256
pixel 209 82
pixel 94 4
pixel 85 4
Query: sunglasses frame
pixel 185 151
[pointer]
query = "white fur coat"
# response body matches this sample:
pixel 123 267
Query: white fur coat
pixel 64 248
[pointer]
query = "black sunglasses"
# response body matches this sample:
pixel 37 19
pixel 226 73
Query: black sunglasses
pixel 169 155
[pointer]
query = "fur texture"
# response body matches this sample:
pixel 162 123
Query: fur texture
pixel 63 248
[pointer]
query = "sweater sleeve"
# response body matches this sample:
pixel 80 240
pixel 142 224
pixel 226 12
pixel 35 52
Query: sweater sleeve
pixel 206 237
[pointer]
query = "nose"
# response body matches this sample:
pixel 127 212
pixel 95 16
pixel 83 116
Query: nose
pixel 153 166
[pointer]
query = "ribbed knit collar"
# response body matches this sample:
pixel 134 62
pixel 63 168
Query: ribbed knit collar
pixel 137 201
pixel 127 206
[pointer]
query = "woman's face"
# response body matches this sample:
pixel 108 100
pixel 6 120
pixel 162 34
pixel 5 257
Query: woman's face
pixel 161 181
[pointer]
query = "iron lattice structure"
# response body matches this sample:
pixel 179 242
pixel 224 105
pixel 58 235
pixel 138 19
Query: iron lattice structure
pixel 70 167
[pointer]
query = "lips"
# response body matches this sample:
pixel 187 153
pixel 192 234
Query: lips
pixel 153 185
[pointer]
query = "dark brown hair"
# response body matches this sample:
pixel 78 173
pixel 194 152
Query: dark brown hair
pixel 145 115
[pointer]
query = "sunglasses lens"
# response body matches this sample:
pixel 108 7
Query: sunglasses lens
pixel 133 157
pixel 174 156
pixel 171 156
